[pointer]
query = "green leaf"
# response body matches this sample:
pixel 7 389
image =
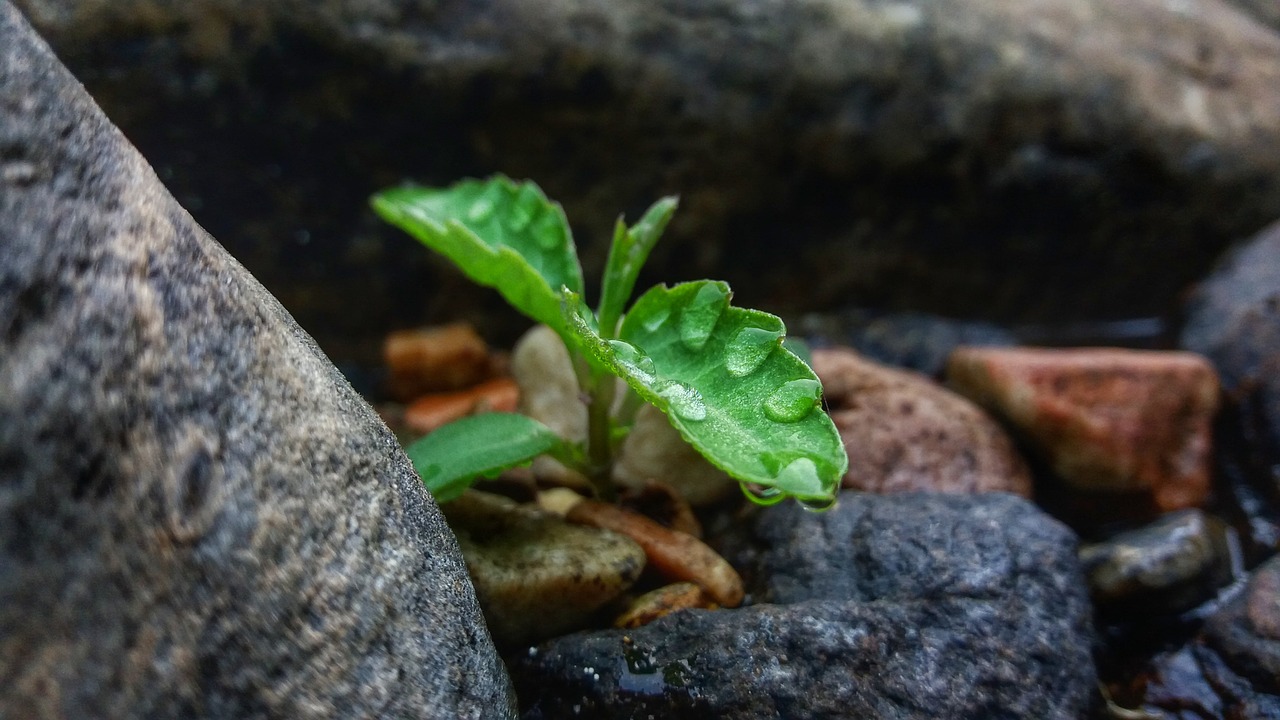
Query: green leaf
pixel 503 235
pixel 453 457
pixel 727 384
pixel 627 255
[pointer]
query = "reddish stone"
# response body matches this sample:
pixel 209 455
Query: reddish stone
pixel 1107 419
pixel 432 411
pixel 449 357
pixel 904 432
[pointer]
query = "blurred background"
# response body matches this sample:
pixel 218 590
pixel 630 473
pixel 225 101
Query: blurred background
pixel 1028 162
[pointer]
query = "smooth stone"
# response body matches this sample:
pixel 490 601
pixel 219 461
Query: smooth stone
pixel 1107 419
pixel 904 432
pixel 536 575
pixel 1169 566
pixel 902 606
pixel 198 516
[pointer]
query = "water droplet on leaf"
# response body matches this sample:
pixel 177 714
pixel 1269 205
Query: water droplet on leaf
pixel 684 401
pixel 636 362
pixel 700 315
pixel 793 401
pixel 818 504
pixel 800 477
pixel 748 350
pixel 480 211
pixel 763 494
pixel 656 320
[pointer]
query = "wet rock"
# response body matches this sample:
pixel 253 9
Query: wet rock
pixel 1169 566
pixel 904 432
pixel 1233 668
pixel 198 516
pixel 1234 320
pixel 960 156
pixel 915 341
pixel 536 575
pixel 905 606
pixel 1107 419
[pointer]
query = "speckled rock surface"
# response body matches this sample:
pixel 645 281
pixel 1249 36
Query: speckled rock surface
pixel 1107 419
pixel 959 156
pixel 198 516
pixel 904 432
pixel 903 606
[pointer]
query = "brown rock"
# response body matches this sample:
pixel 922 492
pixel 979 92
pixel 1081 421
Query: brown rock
pixel 1107 419
pixel 904 432
pixel 449 357
pixel 432 411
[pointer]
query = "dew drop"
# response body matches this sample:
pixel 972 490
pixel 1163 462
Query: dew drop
pixel 793 401
pixel 656 320
pixel 548 232
pixel 700 315
pixel 684 401
pixel 480 211
pixel 762 494
pixel 818 504
pixel 430 472
pixel 636 362
pixel 748 350
pixel 523 208
pixel 800 477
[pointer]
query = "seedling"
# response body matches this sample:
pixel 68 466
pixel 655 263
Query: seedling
pixel 720 373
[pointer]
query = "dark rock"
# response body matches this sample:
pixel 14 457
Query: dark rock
pixel 903 606
pixel 1167 567
pixel 915 341
pixel 198 516
pixel 1233 669
pixel 1266 11
pixel 1234 320
pixel 961 156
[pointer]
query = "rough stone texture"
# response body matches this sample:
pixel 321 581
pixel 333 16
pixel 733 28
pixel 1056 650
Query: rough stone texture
pixel 198 516
pixel 1234 320
pixel 1107 419
pixel 961 156
pixel 1268 11
pixel 904 432
pixel 1233 669
pixel 904 606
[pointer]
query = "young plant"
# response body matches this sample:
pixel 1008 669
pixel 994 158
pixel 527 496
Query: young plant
pixel 720 373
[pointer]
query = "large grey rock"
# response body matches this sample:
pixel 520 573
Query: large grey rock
pixel 901 606
pixel 198 516
pixel 976 157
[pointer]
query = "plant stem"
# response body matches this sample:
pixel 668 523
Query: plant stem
pixel 597 388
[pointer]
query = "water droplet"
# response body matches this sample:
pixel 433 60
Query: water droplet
pixel 762 494
pixel 634 361
pixel 526 205
pixel 549 233
pixel 684 401
pixel 800 477
pixel 748 350
pixel 430 472
pixel 700 315
pixel 818 504
pixel 480 211
pixel 656 320
pixel 793 401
